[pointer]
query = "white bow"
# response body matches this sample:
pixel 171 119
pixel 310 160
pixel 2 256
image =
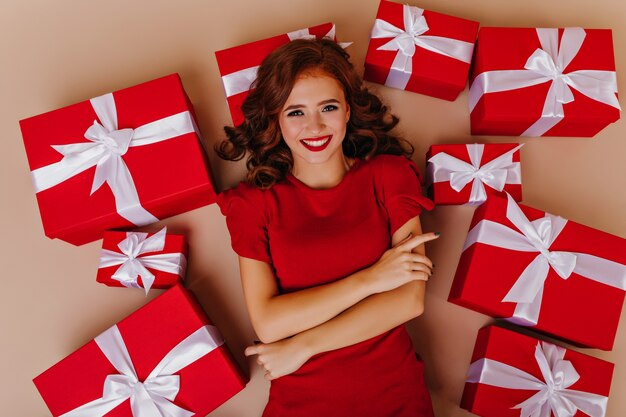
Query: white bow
pixel 496 173
pixel 153 397
pixel 538 236
pixel 548 64
pixel 105 150
pixel 134 261
pixel 553 394
pixel 405 40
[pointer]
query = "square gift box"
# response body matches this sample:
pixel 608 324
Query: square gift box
pixel 540 270
pixel 513 375
pixel 238 65
pixel 120 160
pixel 467 174
pixel 166 356
pixel 543 82
pixel 421 51
pixel 142 260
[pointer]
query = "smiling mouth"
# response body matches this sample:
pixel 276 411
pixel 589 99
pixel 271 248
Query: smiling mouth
pixel 316 144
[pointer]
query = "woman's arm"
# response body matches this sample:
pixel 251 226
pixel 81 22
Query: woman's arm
pixel 368 318
pixel 275 317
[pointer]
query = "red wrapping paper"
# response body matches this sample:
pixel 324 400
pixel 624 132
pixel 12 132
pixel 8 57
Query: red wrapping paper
pixel 576 309
pixel 171 176
pixel 517 350
pixel 512 112
pixel 149 334
pixel 433 74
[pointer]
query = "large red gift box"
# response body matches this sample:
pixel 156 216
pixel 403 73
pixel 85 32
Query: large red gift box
pixel 467 174
pixel 511 372
pixel 542 271
pixel 166 352
pixel 419 50
pixel 238 65
pixel 141 141
pixel 142 260
pixel 523 84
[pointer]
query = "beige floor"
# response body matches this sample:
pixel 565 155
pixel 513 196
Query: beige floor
pixel 55 53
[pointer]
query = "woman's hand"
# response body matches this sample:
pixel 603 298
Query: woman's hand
pixel 399 265
pixel 279 358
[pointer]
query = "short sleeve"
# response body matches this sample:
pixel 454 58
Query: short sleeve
pixel 246 220
pixel 400 185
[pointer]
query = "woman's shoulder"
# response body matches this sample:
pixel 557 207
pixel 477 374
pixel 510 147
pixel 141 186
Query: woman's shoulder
pixel 389 164
pixel 243 194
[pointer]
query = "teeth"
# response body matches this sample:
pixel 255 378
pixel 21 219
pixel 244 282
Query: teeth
pixel 316 142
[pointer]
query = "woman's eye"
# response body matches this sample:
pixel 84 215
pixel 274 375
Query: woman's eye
pixel 295 113
pixel 330 107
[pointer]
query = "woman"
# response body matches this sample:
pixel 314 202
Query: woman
pixel 329 240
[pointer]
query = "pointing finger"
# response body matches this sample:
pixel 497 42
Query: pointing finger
pixel 414 242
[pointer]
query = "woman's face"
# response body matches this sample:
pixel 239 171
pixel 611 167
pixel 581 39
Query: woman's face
pixel 313 120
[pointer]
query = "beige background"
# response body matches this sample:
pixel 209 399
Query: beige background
pixel 55 53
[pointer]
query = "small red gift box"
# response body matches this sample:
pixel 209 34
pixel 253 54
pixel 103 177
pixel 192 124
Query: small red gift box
pixel 514 375
pixel 522 84
pixel 238 65
pixel 420 51
pixel 543 271
pixel 142 141
pixel 165 355
pixel 142 260
pixel 467 174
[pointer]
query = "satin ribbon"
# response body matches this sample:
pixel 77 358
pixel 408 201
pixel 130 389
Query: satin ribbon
pixel 153 397
pixel 405 40
pixel 548 64
pixel 134 261
pixel 538 236
pixel 105 149
pixel 496 173
pixel 553 396
pixel 240 81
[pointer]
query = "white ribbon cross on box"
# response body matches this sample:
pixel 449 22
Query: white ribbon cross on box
pixel 538 236
pixel 554 396
pixel 134 259
pixel 548 64
pixel 405 40
pixel 105 150
pixel 153 397
pixel 496 173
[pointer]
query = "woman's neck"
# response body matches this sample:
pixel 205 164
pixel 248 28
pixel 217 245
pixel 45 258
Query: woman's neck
pixel 323 175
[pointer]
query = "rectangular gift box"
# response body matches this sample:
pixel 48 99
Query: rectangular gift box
pixel 431 57
pixel 238 65
pixel 164 256
pixel 542 271
pixel 467 174
pixel 171 347
pixel 512 91
pixel 146 147
pixel 506 372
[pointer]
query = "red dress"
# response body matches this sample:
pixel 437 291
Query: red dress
pixel 313 237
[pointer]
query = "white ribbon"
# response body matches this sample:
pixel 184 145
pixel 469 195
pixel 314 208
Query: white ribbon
pixel 496 173
pixel 554 396
pixel 134 261
pixel 548 64
pixel 405 40
pixel 105 149
pixel 240 81
pixel 155 396
pixel 538 236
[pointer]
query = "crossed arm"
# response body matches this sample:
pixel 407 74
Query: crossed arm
pixel 345 312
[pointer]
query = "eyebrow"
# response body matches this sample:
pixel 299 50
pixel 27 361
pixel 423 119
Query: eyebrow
pixel 299 106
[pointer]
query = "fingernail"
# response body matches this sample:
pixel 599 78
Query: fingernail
pixel 437 233
pixel 433 265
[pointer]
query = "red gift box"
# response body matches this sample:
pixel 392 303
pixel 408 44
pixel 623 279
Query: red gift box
pixel 420 51
pixel 509 370
pixel 166 351
pixel 543 271
pixel 521 84
pixel 467 174
pixel 142 260
pixel 238 65
pixel 142 141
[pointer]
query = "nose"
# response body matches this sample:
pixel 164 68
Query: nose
pixel 316 124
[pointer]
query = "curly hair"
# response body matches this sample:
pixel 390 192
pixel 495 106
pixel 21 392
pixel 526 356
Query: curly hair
pixel 269 157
